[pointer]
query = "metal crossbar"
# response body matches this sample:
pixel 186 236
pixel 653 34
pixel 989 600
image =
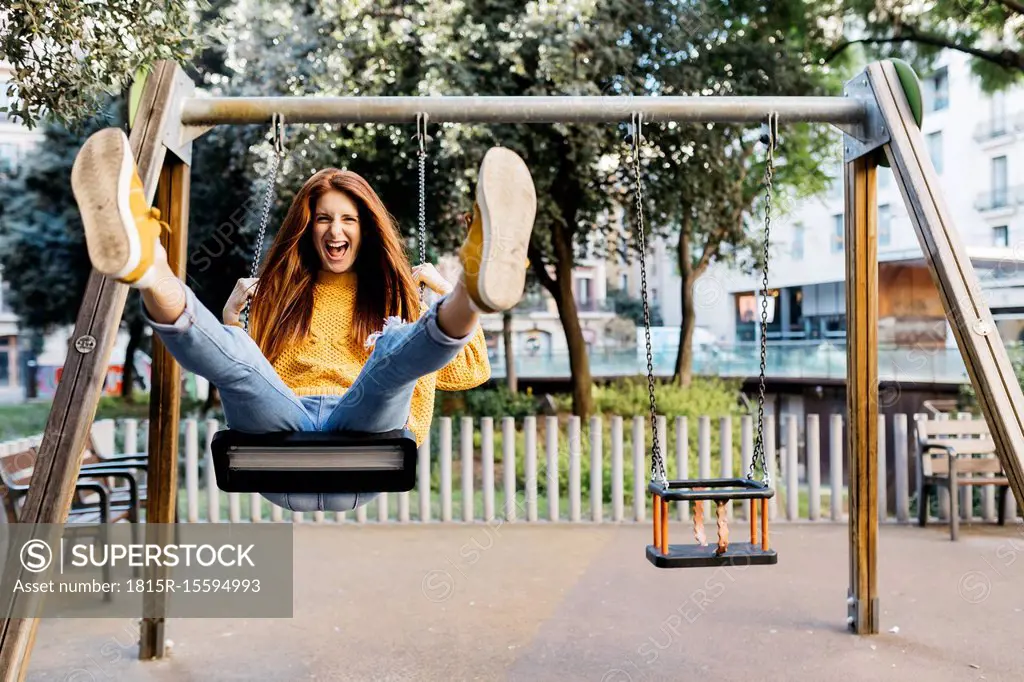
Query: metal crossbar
pixel 557 109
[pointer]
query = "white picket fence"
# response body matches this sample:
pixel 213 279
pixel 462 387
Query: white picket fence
pixel 534 492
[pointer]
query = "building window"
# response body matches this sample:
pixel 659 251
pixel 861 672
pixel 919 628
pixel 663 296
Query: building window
pixel 884 225
pixel 936 91
pixel 798 241
pixel 998 103
pixel 934 141
pixel 838 233
pixel 1001 236
pixel 624 281
pixel 835 187
pixel 582 291
pixel 999 182
pixel 6 356
pixel 746 316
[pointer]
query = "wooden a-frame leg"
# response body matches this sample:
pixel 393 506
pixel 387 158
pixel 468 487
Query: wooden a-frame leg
pixel 985 356
pixel 862 390
pixel 164 408
pixel 74 406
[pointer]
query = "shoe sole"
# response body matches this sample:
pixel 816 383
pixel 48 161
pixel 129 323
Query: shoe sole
pixel 101 182
pixel 508 206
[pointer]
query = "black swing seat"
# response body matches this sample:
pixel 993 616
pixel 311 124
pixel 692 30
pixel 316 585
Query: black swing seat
pixel 697 556
pixel 314 462
pixel 701 556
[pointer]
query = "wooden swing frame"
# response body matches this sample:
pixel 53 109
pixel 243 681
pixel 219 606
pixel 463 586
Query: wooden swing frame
pixel 874 113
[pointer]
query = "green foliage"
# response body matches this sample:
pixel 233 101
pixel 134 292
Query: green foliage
pixel 968 399
pixel 29 419
pixel 42 246
pixel 988 31
pixel 70 56
pixel 705 396
pixel 22 421
pixel 633 308
pixel 486 402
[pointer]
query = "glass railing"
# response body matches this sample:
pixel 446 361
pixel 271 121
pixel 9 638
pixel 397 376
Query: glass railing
pixel 996 127
pixel 537 304
pixel 1003 197
pixel 815 361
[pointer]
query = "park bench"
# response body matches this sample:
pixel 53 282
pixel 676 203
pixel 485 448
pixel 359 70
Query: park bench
pixel 952 453
pixel 119 490
pixel 106 492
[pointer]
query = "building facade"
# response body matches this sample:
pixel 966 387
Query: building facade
pixel 976 142
pixel 537 332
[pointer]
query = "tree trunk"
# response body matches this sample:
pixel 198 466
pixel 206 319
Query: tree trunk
pixel 683 374
pixel 684 359
pixel 579 361
pixel 136 328
pixel 510 363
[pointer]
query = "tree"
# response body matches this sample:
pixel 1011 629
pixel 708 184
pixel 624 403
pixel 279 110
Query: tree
pixel 990 31
pixel 517 49
pixel 42 245
pixel 69 56
pixel 73 63
pixel 309 50
pixel 702 182
pixel 632 309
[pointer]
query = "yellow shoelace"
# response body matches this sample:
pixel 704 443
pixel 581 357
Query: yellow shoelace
pixel 154 213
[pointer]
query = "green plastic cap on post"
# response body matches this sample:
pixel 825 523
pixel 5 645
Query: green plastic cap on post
pixel 911 88
pixel 135 94
pixel 911 85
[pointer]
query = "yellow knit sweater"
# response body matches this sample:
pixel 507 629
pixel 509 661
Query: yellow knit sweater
pixel 329 359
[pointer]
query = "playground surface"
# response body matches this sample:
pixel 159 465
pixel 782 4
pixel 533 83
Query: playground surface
pixel 511 602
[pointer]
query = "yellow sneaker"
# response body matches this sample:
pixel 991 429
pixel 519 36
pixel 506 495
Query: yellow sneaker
pixel 122 232
pixel 494 253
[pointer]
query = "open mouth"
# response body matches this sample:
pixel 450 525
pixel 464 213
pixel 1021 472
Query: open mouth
pixel 336 250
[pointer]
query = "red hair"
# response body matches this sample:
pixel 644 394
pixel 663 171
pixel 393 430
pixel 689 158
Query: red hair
pixel 282 308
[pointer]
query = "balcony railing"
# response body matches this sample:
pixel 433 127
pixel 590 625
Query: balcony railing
pixel 1004 197
pixel 811 361
pixel 533 304
pixel 541 304
pixel 595 306
pixel 998 127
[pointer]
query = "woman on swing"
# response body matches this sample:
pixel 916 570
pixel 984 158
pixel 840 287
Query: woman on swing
pixel 339 340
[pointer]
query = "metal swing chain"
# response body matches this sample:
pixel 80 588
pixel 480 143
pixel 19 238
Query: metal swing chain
pixel 421 134
pixel 657 463
pixel 277 129
pixel 769 172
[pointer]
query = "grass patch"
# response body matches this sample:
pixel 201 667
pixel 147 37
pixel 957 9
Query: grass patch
pixel 29 419
pixel 23 420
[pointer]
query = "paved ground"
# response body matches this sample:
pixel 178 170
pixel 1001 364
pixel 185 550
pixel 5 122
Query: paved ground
pixel 582 603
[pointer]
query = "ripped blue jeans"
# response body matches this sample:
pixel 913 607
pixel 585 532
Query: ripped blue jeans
pixel 256 400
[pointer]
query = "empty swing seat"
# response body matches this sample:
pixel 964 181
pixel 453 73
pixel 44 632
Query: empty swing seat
pixel 717 490
pixel 314 462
